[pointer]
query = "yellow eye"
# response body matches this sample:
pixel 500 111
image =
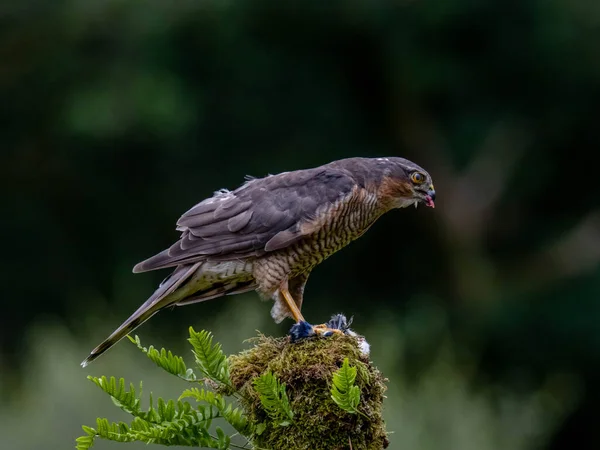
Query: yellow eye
pixel 417 177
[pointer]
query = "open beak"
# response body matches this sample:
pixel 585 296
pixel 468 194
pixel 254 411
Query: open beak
pixel 430 197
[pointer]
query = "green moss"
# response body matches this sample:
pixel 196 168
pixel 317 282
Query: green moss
pixel 307 370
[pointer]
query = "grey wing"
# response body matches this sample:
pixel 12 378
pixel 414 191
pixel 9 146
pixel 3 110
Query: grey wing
pixel 263 215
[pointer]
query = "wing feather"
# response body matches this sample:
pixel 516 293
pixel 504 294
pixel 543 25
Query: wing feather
pixel 263 215
pixel 237 223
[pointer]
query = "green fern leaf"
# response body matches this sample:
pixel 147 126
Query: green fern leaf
pixel 166 360
pixel 344 392
pixel 234 416
pixel 194 435
pixel 210 358
pixel 113 431
pixel 273 398
pixel 87 441
pixel 124 399
pixel 179 414
pixel 237 419
pixel 177 422
pixel 223 439
pixel 152 415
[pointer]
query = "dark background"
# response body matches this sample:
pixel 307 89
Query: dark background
pixel 484 313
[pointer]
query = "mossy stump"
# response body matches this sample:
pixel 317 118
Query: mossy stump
pixel 307 369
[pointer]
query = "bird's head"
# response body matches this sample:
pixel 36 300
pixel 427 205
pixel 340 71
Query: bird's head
pixel 404 184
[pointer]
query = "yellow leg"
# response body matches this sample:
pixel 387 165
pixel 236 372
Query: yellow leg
pixel 296 314
pixel 322 329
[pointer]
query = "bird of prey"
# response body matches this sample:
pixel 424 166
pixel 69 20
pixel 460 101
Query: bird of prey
pixel 268 235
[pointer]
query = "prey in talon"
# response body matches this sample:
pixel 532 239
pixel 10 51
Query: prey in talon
pixel 270 233
pixel 338 324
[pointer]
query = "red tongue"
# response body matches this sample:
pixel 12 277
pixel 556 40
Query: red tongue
pixel 429 202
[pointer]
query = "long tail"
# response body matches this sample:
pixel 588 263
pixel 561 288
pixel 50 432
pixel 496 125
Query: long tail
pixel 173 291
pixel 165 295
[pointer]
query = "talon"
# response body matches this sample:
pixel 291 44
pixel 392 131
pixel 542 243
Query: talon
pixel 301 330
pixel 324 331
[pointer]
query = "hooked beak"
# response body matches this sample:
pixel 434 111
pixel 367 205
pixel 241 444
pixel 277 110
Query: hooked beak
pixel 430 197
pixel 427 197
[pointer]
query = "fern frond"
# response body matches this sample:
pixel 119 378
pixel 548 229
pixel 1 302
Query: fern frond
pixel 273 398
pixel 237 419
pixel 181 414
pixel 119 432
pixel 179 432
pixel 114 431
pixel 166 360
pixel 223 439
pixel 344 392
pixel 187 428
pixel 234 416
pixel 210 358
pixel 125 399
pixel 87 441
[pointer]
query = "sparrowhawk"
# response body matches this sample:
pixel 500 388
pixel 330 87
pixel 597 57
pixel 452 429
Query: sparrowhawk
pixel 268 234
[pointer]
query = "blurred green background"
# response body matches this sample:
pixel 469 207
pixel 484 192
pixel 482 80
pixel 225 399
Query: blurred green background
pixel 117 116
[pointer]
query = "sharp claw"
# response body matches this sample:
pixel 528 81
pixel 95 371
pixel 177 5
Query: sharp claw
pixel 324 331
pixel 337 325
